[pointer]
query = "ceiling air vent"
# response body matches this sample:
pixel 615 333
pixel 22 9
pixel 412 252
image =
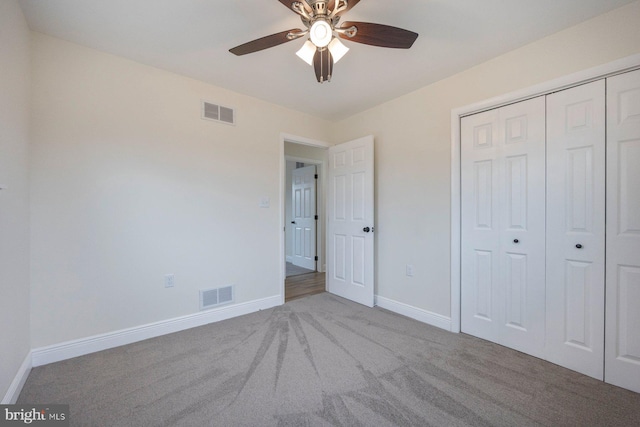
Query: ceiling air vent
pixel 210 298
pixel 218 113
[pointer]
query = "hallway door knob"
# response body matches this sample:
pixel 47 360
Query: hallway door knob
pixel 366 229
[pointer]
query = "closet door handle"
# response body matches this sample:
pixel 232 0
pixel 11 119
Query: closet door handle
pixel 579 246
pixel 516 241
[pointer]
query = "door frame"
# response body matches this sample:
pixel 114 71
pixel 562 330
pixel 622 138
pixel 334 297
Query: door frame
pixel 295 139
pixel 619 66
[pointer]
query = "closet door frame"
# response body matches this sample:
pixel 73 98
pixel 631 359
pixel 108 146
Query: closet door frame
pixel 607 70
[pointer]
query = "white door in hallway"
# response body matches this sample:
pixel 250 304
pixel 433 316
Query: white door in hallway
pixel 350 228
pixel 304 217
pixel 622 348
pixel 503 225
pixel 575 228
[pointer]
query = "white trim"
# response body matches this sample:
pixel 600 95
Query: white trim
pixel 12 394
pixel 80 347
pixel 415 313
pixel 596 73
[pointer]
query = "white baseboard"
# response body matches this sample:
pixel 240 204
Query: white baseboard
pixel 418 314
pixel 289 258
pixel 80 347
pixel 18 381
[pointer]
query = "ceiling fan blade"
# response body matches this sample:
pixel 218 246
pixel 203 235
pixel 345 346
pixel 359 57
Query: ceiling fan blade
pixel 350 4
pixel 323 64
pixel 264 42
pixel 287 3
pixel 380 35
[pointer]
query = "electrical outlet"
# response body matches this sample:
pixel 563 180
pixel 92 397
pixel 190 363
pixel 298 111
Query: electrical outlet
pixel 409 270
pixel 169 280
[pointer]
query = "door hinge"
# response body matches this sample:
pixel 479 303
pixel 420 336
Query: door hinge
pixel 316 176
pixel 317 217
pixel 316 257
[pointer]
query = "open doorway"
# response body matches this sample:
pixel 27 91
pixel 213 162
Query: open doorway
pixel 304 218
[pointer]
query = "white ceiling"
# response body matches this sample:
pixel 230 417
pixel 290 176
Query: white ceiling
pixel 192 38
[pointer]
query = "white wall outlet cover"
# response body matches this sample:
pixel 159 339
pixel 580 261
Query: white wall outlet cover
pixel 265 202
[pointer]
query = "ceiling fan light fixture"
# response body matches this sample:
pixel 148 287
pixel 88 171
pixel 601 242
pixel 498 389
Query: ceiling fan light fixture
pixel 337 49
pixel 306 52
pixel 321 33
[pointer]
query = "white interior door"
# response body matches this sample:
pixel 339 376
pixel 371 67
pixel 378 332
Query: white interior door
pixel 575 228
pixel 350 242
pixel 503 225
pixel 622 360
pixel 304 217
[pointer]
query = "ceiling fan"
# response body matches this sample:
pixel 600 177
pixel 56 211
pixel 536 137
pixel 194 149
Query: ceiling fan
pixel 323 48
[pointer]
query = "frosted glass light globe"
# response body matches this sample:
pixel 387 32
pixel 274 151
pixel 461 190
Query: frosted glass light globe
pixel 320 33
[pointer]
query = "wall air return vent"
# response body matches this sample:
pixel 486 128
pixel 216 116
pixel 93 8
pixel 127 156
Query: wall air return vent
pixel 210 298
pixel 218 113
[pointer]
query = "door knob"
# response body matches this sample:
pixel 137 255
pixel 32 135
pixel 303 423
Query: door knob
pixel 366 229
pixel 579 246
pixel 516 241
pixel 293 222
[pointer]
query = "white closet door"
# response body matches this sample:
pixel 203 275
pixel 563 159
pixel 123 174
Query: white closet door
pixel 575 228
pixel 622 366
pixel 503 225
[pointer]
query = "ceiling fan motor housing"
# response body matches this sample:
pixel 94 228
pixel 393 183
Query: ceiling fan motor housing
pixel 319 7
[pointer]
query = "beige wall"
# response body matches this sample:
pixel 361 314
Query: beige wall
pixel 413 143
pixel 14 200
pixel 129 184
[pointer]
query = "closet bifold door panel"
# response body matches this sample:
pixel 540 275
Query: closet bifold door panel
pixel 622 354
pixel 503 225
pixel 575 252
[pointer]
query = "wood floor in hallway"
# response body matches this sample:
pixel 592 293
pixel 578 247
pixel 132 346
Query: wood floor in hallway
pixel 303 285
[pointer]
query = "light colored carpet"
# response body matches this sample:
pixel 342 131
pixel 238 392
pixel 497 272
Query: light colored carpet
pixel 320 361
pixel 294 270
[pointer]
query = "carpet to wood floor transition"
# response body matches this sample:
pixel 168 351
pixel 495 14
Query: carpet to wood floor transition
pixel 320 361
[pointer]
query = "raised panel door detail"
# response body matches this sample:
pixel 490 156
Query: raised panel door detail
pixel 517 196
pixel 483 284
pixel 309 250
pixel 628 179
pixel 516 130
pixel 516 297
pixel 340 249
pixel 358 247
pixel 297 202
pixel 628 314
pixel 358 207
pixel 339 160
pixel 358 155
pixel 629 106
pixel 483 136
pixel 483 194
pixel 579 116
pixel 579 189
pixel 339 198
pixel 308 203
pixel 577 285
